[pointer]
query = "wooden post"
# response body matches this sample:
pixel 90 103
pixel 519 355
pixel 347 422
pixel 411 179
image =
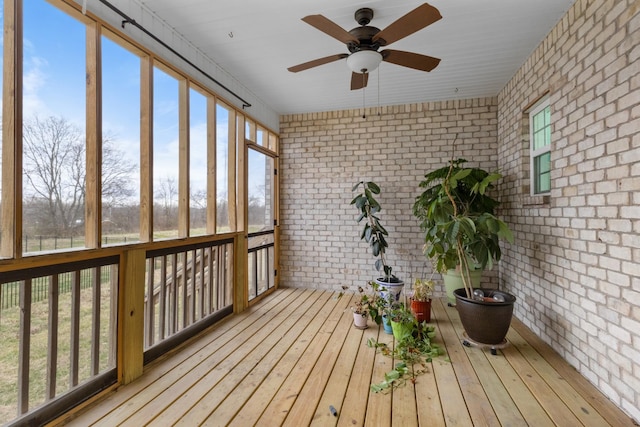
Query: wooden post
pixel 240 273
pixel 131 329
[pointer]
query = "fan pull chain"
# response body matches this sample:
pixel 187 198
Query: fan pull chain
pixel 378 91
pixel 364 116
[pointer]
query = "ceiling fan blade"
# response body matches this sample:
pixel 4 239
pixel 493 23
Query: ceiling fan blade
pixel 413 21
pixel 359 80
pixel 316 62
pixel 331 28
pixel 410 59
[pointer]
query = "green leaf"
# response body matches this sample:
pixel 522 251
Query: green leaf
pixel 373 187
pixel 462 174
pixel 375 248
pixel 392 375
pixel 487 181
pixel 505 233
pixel 367 232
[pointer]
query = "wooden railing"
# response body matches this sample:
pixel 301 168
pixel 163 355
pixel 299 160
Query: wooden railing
pixel 186 289
pixel 88 321
pixel 261 263
pixel 65 343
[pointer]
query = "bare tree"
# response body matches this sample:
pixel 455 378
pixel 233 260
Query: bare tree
pixel 198 208
pixel 166 196
pixel 55 174
pixel 117 188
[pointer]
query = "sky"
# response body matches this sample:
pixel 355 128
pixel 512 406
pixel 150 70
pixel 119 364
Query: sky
pixel 54 84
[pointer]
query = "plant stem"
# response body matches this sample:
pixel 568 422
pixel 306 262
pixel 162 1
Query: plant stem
pixel 465 273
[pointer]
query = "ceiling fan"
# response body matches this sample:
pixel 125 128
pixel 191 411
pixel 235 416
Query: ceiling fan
pixel 363 42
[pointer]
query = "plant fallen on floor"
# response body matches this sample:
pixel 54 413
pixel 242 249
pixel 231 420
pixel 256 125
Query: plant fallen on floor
pixel 413 352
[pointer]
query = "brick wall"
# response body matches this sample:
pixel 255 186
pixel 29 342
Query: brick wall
pixel 575 267
pixel 324 154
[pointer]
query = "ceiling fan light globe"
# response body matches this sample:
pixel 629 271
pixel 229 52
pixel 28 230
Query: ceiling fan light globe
pixel 364 61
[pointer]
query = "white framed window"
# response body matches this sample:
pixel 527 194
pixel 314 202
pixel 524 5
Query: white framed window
pixel 540 147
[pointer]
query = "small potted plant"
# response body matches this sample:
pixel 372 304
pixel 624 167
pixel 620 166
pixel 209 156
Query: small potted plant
pixel 421 299
pixel 366 305
pixel 360 309
pixel 403 322
pixel 387 304
pixel 376 235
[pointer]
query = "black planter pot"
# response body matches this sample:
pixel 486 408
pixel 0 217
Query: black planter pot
pixel 485 322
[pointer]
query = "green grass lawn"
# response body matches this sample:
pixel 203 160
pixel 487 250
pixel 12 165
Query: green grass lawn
pixel 9 350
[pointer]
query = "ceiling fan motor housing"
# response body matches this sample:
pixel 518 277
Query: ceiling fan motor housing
pixel 364 35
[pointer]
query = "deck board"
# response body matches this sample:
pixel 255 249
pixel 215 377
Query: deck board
pixel 288 358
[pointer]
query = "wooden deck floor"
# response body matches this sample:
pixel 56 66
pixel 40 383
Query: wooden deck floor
pixel 290 357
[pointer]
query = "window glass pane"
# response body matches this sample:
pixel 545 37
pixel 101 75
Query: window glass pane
pixel 542 173
pixel 121 144
pixel 197 163
pixel 260 186
pixel 261 136
pixel 222 169
pixel 542 129
pixel 53 129
pixel 165 155
pixel 272 142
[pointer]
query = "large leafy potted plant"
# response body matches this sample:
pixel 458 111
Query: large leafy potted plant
pixel 376 235
pixel 462 233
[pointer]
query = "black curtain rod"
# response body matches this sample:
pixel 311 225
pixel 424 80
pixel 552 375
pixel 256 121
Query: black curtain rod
pixel 128 20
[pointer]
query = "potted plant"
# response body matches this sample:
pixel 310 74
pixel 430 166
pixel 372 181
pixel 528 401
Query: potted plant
pixel 387 303
pixel 403 322
pixel 360 309
pixel 376 235
pixel 366 305
pixel 461 230
pixel 421 299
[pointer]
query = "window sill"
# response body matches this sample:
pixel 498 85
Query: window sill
pixel 538 199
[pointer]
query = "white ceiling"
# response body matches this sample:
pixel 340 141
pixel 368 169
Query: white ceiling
pixel 481 44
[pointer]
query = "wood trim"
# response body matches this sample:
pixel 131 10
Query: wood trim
pixel 74 350
pixel 240 294
pixel 260 148
pixel 52 354
pixel 183 159
pixel 93 192
pixel 146 149
pixel 131 325
pixel 96 291
pixel 212 181
pixel 231 182
pixel 276 218
pixel 24 351
pixel 11 225
pixel 242 193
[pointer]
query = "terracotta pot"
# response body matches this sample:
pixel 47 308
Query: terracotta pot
pixel 485 322
pixel 422 310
